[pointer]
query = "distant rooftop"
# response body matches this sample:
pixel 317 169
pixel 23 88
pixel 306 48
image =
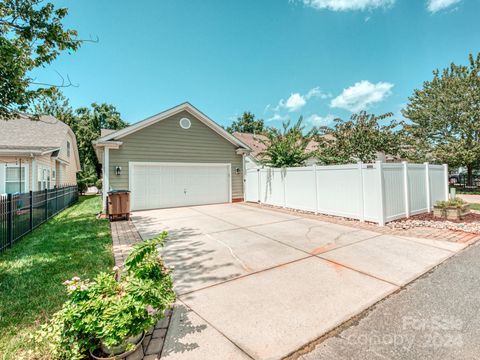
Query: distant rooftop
pixel 28 134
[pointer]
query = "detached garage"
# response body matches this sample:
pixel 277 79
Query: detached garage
pixel 179 157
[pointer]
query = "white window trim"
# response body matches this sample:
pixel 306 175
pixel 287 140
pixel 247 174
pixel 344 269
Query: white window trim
pixel 26 180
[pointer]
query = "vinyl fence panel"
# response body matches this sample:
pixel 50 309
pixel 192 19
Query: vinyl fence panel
pixel 374 192
pixel 252 185
pixel 300 185
pixel 395 199
pixel 338 189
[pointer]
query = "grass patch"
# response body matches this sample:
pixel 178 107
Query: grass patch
pixel 474 206
pixel 73 243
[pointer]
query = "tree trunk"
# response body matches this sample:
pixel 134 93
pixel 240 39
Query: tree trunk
pixel 469 175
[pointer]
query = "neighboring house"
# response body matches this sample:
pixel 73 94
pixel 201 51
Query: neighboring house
pixel 257 143
pixel 178 157
pixel 36 154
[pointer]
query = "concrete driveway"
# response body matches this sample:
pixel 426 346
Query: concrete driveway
pixel 256 283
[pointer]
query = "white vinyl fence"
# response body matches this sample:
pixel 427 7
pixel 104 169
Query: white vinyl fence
pixel 378 192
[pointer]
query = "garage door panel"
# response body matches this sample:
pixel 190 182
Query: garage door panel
pixel 168 185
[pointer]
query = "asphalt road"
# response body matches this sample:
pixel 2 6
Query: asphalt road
pixel 435 317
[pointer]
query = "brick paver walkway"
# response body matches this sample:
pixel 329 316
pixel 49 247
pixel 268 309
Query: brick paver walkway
pixel 419 232
pixel 124 235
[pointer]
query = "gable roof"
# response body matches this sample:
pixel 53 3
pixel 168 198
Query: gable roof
pixel 36 136
pixel 186 106
pixel 256 142
pixel 46 132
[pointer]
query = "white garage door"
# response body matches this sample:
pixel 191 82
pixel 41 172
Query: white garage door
pixel 162 185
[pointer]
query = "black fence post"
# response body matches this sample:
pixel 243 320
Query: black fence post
pixel 46 204
pixel 56 199
pixel 10 220
pixel 31 210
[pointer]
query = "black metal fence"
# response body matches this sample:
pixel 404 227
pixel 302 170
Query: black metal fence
pixel 21 213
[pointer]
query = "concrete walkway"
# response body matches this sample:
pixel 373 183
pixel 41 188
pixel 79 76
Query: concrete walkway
pixel 256 283
pixel 436 317
pixel 470 198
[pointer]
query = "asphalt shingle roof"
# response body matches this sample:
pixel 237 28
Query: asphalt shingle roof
pixel 24 133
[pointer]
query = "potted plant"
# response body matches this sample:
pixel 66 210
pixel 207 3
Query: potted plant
pixel 108 316
pixel 453 209
pixel 456 209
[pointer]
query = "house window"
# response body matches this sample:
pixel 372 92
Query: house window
pixel 68 148
pixel 14 179
pixel 43 178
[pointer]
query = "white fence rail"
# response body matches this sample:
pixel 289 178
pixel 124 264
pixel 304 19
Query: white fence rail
pixel 376 192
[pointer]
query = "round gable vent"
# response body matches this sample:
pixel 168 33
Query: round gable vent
pixel 185 123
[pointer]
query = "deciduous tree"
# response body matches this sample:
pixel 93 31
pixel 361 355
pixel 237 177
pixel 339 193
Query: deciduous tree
pixel 247 123
pixel 86 123
pixel 359 139
pixel 445 117
pixel 31 36
pixel 287 147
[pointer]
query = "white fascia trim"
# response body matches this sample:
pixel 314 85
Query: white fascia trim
pixel 107 144
pixel 163 115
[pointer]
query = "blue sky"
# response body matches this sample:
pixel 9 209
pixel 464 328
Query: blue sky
pixel 277 58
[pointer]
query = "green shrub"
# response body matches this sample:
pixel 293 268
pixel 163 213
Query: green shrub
pixel 82 186
pixel 108 311
pixel 455 203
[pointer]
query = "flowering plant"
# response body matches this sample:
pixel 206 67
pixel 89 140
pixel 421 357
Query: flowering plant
pixel 108 311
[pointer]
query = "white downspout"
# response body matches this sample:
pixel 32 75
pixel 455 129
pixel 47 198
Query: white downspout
pixel 106 175
pixel 34 175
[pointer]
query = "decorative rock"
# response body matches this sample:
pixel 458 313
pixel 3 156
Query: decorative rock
pixel 473 227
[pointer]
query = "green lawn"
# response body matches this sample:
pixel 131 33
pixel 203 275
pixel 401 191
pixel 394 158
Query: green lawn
pixel 73 243
pixel 475 206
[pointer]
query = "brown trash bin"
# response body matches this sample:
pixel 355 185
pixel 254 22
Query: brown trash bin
pixel 118 204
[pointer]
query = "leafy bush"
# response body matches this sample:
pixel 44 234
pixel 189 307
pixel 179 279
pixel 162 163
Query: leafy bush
pixel 99 184
pixel 82 186
pixel 108 311
pixel 451 203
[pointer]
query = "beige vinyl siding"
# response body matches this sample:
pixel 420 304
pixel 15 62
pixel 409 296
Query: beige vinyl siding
pixel 70 169
pixel 166 141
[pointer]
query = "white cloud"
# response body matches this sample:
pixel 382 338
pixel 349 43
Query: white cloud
pixel 346 5
pixel 316 92
pixel 317 120
pixel 361 95
pixel 278 117
pixel 296 101
pixel 436 5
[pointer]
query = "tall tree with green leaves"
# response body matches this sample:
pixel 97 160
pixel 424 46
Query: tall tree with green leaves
pixel 287 147
pixel 90 121
pixel 359 139
pixel 31 36
pixel 247 123
pixel 86 123
pixel 445 117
